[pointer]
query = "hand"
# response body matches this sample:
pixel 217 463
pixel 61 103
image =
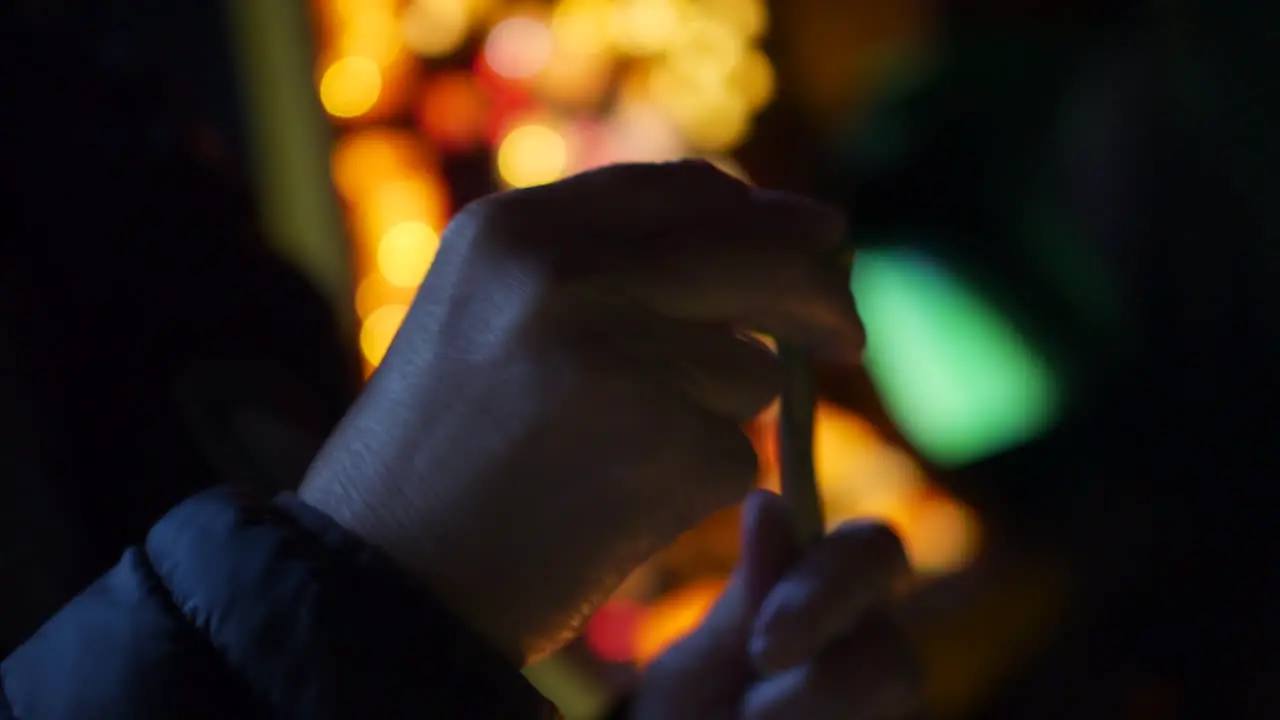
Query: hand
pixel 794 636
pixel 566 395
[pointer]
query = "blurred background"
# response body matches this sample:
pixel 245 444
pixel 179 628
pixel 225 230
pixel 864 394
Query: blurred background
pixel 1066 256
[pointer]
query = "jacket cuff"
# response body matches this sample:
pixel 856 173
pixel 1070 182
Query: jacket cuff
pixel 320 624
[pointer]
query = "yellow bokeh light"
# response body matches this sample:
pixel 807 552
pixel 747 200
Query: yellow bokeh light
pixel 576 79
pixel 374 291
pixel 581 27
pixel 378 330
pixel 532 155
pixel 518 47
pixel 406 251
pixel 752 78
pixel 646 27
pixel 365 158
pixel 371 34
pixel 716 122
pixel 748 19
pixel 418 199
pixel 707 51
pixel 345 10
pixel 673 617
pixel 435 28
pixel 351 86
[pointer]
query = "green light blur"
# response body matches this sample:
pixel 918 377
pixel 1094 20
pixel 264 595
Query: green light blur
pixel 959 380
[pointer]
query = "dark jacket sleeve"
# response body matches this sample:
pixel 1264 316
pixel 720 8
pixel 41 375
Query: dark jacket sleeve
pixel 239 609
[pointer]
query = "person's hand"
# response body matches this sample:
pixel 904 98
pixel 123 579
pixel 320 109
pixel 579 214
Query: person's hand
pixel 794 635
pixel 566 395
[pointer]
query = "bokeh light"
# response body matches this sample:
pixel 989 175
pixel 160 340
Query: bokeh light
pixel 375 291
pixel 378 330
pixel 647 27
pixel 373 34
pixel 532 155
pixel 434 28
pixel 518 47
pixel 673 617
pixel 454 111
pixel 364 158
pixel 350 86
pixel 406 251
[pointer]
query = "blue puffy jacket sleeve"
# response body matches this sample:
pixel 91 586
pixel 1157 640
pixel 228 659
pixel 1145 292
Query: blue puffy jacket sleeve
pixel 235 608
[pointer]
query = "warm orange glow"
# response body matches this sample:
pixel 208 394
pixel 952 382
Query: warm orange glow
pixel 752 78
pixel 415 199
pixel 747 19
pixel 941 536
pixel 454 110
pixel 582 27
pixel 366 158
pixel 375 291
pixel 518 47
pixel 532 155
pixel 378 330
pixel 371 34
pixel 351 86
pixel 673 617
pixel 575 78
pixel 647 27
pixel 706 51
pixel 435 28
pixel 406 251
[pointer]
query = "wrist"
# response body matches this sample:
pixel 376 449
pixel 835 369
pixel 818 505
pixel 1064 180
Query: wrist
pixel 391 528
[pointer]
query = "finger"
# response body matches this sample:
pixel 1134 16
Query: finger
pixel 729 374
pixel 691 243
pixel 773 268
pixel 826 593
pixel 715 655
pixel 639 199
pixel 871 674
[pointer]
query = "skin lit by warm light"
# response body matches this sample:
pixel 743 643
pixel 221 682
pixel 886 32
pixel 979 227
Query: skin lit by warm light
pixel 518 47
pixel 646 27
pixel 673 617
pixel 532 155
pixel 435 28
pixel 378 330
pixel 406 251
pixel 351 86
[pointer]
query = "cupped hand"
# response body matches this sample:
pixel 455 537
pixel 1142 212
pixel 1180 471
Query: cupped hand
pixel 566 394
pixel 796 635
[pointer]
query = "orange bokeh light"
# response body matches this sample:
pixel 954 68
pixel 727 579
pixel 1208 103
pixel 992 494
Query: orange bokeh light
pixel 673 617
pixel 454 111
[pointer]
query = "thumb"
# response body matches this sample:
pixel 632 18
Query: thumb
pixel 706 674
pixel 768 549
